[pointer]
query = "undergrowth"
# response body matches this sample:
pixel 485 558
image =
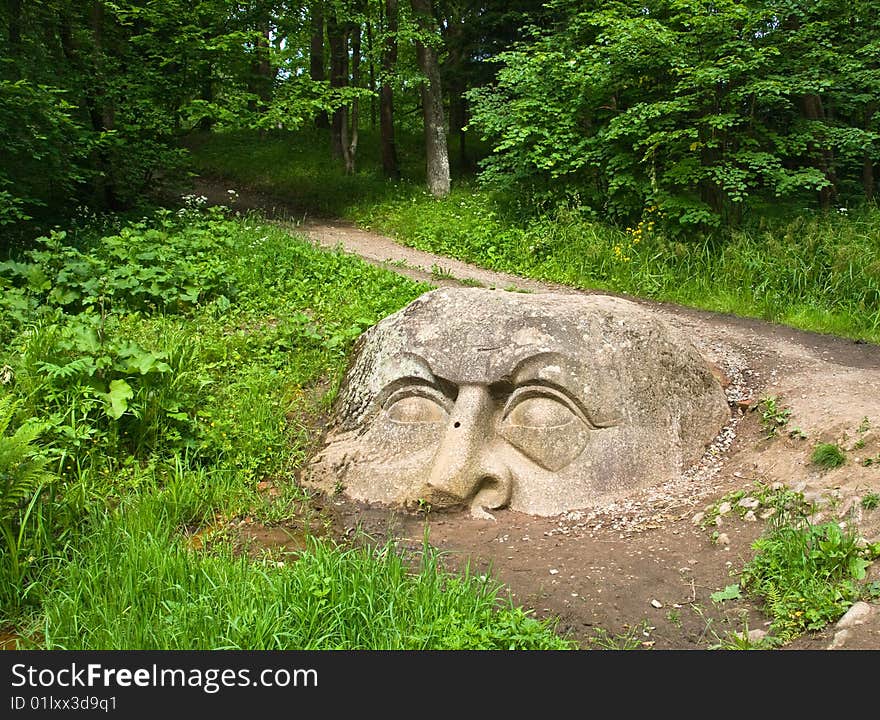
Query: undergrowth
pixel 805 575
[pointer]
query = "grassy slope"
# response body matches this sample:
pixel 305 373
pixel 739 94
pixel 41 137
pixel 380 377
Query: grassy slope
pixel 813 271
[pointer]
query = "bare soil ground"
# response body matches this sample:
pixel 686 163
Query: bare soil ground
pixel 641 573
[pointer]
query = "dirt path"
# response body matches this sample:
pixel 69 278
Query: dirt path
pixel 645 569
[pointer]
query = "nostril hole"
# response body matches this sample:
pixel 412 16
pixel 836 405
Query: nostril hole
pixel 457 424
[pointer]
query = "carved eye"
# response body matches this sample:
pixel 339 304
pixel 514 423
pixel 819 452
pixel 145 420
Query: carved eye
pixel 539 412
pixel 417 405
pixel 544 425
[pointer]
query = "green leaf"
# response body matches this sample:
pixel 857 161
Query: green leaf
pixel 118 397
pixel 731 592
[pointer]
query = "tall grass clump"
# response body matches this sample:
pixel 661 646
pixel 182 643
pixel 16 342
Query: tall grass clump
pixel 827 456
pixel 168 596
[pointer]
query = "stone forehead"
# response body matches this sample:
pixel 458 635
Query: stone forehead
pixel 472 333
pixel 463 307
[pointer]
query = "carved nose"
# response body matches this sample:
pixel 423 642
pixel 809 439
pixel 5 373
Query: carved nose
pixel 467 466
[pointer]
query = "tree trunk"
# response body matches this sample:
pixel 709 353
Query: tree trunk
pixel 101 112
pixel 338 79
pixel 207 93
pixel 812 109
pixel 14 28
pixel 457 121
pixel 349 147
pixel 456 85
pixel 390 163
pixel 372 72
pixel 436 151
pixel 868 161
pixel 316 55
pixel 261 71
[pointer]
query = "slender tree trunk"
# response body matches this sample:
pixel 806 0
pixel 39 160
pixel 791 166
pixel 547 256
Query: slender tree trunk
pixel 372 71
pixel 206 93
pixel 349 147
pixel 261 71
pixel 436 150
pixel 868 161
pixel 101 113
pixel 338 79
pixel 390 163
pixel 14 29
pixel 316 55
pixel 456 58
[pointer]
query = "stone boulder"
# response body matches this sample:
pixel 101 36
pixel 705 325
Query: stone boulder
pixel 542 403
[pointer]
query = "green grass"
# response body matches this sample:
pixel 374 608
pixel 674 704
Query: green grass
pixel 814 271
pixel 807 576
pixel 827 456
pixel 871 501
pixel 194 371
pixel 819 273
pixel 773 415
pixel 297 169
pixel 167 596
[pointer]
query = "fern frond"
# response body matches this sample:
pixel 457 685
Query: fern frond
pixel 23 470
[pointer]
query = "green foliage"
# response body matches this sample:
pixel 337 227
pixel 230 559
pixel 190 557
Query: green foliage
pixel 776 501
pixel 742 641
pixel 731 592
pixel 136 270
pixel 705 111
pixel 827 456
pixel 169 401
pixel 871 501
pixel 815 272
pixel 806 575
pixel 167 596
pixel 24 476
pixel 773 417
pixel 43 149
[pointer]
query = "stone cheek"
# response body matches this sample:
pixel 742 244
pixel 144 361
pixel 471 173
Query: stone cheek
pixel 540 403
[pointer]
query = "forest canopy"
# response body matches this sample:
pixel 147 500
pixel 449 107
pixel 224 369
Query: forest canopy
pixel 702 111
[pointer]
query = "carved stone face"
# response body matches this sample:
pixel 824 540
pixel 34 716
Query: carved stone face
pixel 543 403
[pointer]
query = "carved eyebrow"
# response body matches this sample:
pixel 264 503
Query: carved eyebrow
pixel 417 372
pixel 528 370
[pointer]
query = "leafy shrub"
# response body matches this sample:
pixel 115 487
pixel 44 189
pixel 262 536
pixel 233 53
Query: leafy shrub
pixel 139 269
pixel 44 149
pixel 807 576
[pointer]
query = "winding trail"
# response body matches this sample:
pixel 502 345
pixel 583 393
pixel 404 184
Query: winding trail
pixel 441 271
